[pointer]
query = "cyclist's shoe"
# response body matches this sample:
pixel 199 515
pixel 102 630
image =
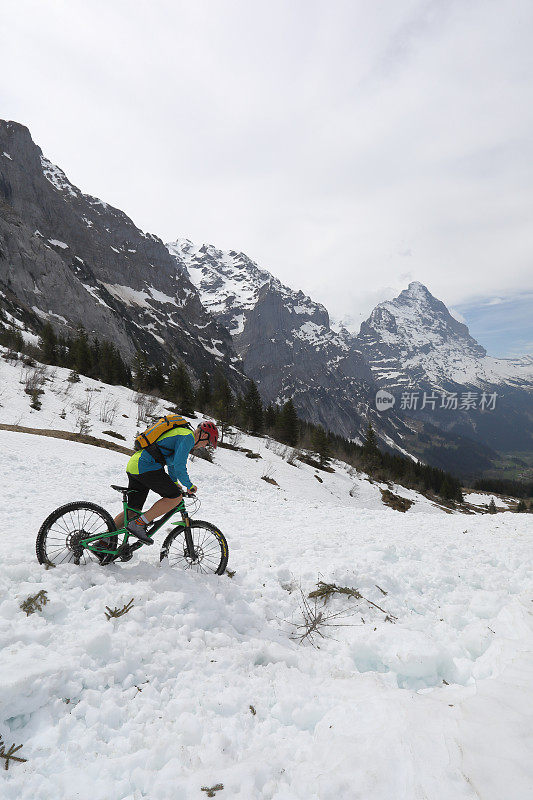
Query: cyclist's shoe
pixel 126 554
pixel 138 528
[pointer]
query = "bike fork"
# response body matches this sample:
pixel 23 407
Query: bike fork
pixel 191 553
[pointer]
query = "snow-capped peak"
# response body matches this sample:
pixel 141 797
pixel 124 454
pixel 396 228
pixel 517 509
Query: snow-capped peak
pixel 414 338
pixel 230 283
pixel 418 290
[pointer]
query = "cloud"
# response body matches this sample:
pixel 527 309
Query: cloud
pixel 330 142
pixel 505 328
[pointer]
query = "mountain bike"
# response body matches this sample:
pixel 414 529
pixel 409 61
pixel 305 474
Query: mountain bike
pixel 78 533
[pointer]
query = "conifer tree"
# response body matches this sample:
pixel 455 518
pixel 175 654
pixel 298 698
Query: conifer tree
pixel 204 397
pixel 140 371
pixel 253 409
pixel 156 379
pixel 270 417
pixel 321 445
pixel 223 403
pixel 447 490
pixel 80 352
pixel 48 344
pixel 289 424
pixel 370 450
pixel 179 389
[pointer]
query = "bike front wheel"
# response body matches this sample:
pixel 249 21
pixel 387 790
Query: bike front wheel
pixel 210 548
pixel 60 536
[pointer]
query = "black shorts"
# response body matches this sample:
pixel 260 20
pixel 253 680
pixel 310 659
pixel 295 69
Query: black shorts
pixel 157 480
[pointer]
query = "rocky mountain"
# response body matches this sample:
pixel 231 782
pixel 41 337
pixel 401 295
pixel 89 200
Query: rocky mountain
pixel 410 344
pixel 71 259
pixel 415 346
pixel 283 337
pixel 413 340
pixel 289 347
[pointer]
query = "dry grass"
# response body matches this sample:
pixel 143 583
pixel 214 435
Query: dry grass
pixel 395 501
pixel 327 590
pixel 69 436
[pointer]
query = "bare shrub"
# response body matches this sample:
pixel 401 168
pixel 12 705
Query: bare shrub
pixel 84 405
pixel 35 402
pixel 268 475
pixel 146 407
pixel 108 410
pixel 316 622
pixel 33 379
pixel 290 455
pixel 83 425
pixel 234 437
pixel 83 409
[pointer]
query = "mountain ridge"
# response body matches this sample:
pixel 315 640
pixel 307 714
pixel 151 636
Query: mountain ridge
pixel 412 342
pixel 67 254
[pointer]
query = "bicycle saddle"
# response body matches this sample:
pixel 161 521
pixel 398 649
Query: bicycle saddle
pixel 121 488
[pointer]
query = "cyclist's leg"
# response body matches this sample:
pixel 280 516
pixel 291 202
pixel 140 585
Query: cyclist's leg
pixel 136 498
pixel 160 483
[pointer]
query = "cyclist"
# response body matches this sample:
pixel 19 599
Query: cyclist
pixel 145 473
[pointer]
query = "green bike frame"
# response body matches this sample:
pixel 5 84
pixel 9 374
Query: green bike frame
pixel 89 543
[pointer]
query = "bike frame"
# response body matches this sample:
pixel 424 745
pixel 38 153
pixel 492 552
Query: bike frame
pixel 151 530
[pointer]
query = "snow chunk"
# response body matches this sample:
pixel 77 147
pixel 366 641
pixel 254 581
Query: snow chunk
pixel 57 243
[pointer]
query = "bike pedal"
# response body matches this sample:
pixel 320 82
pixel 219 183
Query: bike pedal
pixel 124 553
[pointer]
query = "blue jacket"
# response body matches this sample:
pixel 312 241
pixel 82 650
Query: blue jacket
pixel 175 447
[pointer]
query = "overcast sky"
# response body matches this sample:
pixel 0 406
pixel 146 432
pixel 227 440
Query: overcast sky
pixel 348 147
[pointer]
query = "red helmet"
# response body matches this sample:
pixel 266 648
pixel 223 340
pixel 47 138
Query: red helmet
pixel 211 430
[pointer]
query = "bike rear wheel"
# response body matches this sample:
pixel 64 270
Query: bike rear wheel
pixel 59 538
pixel 210 546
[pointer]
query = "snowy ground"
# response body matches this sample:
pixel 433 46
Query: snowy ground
pixel 436 705
pixel 156 704
pixel 483 499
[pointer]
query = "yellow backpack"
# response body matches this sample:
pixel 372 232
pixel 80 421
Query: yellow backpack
pixel 167 423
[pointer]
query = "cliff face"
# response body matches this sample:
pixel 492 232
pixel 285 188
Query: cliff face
pixel 72 259
pixel 411 343
pixel 286 341
pixel 414 344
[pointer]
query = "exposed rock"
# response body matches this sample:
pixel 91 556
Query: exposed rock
pixel 72 259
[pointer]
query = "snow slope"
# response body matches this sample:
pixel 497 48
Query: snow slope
pixel 157 704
